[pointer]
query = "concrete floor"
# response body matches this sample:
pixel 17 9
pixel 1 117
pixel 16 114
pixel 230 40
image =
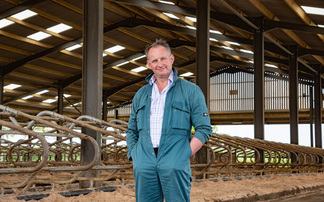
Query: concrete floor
pixel 316 196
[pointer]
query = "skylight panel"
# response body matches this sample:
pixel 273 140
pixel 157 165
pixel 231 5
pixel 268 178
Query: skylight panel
pixel 59 28
pixel 12 86
pixel 228 48
pixel 170 15
pixel 24 14
pixel 191 27
pixel 186 74
pixel 76 46
pixel 39 36
pixel 271 65
pixel 166 2
pixel 233 43
pixel 215 31
pixel 212 39
pixel 5 23
pixel 115 49
pixel 42 92
pixel 49 101
pixel 246 51
pixel 140 57
pixel 139 69
pixel 313 10
pixel 27 97
pixel 123 63
pixel 191 19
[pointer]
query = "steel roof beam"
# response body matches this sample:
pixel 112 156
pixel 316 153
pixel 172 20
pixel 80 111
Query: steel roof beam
pixel 222 17
pixel 23 6
pixel 302 15
pixel 6 69
pixel 12 66
pixel 130 22
pixel 271 24
pixel 306 51
pixel 240 16
pixel 177 43
pixel 268 46
pixel 133 22
pixel 159 6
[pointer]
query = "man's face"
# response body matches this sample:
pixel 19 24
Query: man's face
pixel 160 62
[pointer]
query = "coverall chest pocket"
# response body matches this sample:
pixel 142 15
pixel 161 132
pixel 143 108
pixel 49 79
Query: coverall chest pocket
pixel 180 117
pixel 140 117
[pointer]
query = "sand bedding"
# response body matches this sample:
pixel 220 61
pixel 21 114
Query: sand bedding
pixel 203 191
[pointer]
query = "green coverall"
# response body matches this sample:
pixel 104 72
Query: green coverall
pixel 167 175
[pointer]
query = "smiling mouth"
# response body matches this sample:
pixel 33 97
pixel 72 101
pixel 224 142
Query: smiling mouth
pixel 160 69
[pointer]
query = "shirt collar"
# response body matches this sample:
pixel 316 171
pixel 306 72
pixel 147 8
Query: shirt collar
pixel 153 79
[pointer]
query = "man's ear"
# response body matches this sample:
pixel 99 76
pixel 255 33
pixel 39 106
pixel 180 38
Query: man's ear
pixel 172 58
pixel 148 64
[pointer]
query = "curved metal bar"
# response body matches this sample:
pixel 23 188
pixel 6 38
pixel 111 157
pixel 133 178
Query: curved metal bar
pixel 31 133
pixel 81 123
pixel 62 128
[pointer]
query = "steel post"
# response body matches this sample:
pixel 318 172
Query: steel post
pixel 203 58
pixel 91 77
pixel 293 95
pixel 318 108
pixel 259 80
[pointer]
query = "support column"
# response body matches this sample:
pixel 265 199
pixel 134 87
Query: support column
pixel 293 95
pixel 104 106
pixel 259 80
pixel 91 78
pixel 202 65
pixel 116 113
pixel 203 49
pixel 1 95
pixel 318 108
pixel 60 91
pixel 258 57
pixel 1 88
pixel 104 116
pixel 311 115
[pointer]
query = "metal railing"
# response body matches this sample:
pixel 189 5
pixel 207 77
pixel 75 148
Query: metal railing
pixel 46 150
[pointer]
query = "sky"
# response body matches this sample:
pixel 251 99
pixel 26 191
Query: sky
pixel 272 132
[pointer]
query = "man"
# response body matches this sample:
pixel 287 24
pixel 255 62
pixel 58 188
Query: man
pixel 159 137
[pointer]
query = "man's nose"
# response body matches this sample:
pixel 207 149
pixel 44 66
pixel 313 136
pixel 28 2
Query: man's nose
pixel 160 63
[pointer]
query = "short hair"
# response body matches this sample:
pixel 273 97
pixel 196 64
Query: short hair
pixel 158 42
